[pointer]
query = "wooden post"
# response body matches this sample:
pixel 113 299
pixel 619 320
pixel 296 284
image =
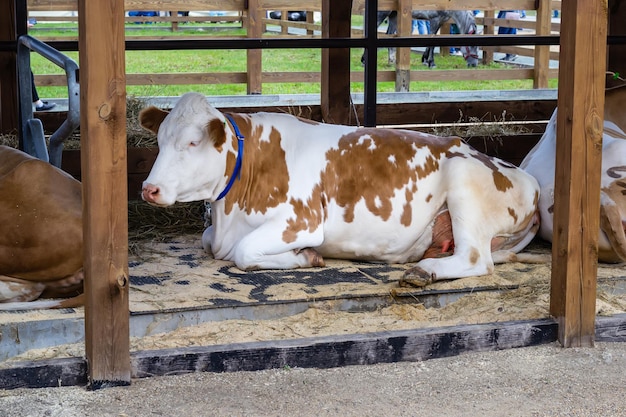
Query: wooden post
pixel 445 29
pixel 310 18
pixel 403 55
pixel 254 56
pixel 284 22
pixel 577 176
pixel 488 29
pixel 8 73
pixel 174 23
pixel 335 77
pixel 542 52
pixel 105 209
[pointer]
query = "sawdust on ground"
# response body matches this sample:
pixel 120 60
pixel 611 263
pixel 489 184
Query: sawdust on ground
pixel 530 300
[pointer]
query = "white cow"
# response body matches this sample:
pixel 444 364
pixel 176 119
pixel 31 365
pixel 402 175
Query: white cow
pixel 291 191
pixel 540 162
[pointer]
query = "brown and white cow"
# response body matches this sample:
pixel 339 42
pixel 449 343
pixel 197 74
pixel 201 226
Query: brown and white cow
pixel 540 162
pixel 308 190
pixel 41 235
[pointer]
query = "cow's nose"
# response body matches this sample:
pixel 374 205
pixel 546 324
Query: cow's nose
pixel 150 193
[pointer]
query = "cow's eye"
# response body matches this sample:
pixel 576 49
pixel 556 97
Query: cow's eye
pixel 193 144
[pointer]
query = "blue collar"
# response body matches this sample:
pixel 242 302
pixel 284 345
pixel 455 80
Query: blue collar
pixel 237 170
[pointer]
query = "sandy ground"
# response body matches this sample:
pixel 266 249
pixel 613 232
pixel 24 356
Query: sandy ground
pixel 537 381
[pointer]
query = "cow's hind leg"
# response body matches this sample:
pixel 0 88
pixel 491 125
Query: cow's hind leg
pixel 471 257
pixel 461 264
pixel 14 290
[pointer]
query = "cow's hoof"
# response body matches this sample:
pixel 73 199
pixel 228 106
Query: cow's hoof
pixel 314 258
pixel 416 277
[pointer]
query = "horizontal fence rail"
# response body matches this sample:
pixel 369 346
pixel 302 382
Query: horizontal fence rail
pixel 538 45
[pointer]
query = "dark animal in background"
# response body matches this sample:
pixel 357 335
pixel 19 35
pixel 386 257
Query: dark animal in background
pixel 464 20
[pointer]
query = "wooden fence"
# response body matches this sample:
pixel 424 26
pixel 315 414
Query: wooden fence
pixel 254 21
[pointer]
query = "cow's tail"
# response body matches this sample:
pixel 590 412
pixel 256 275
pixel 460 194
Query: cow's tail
pixel 77 301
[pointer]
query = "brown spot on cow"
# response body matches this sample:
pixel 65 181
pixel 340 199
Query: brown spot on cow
pixel 264 180
pixel 474 256
pixel 307 216
pixel 217 132
pixel 429 197
pixel 407 211
pixel 369 164
pixel 372 164
pixel 513 214
pixel 501 181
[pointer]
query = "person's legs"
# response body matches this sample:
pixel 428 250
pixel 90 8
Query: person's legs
pixel 33 88
pixel 508 31
pixel 454 30
pixel 502 30
pixel 423 27
pixel 39 105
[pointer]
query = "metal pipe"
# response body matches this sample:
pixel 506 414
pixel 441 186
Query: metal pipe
pixel 29 136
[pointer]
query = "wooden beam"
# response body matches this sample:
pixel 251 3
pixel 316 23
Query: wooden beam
pixel 254 26
pixel 403 55
pixel 542 53
pixel 335 83
pixel 577 176
pixel 313 352
pixel 8 73
pixel 105 215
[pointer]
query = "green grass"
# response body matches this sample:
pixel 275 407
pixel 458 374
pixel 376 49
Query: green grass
pixel 277 60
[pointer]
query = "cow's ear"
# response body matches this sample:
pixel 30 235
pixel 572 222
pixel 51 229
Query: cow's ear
pixel 151 118
pixel 217 132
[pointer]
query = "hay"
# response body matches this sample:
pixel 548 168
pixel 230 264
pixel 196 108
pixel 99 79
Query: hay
pixel 149 223
pixel 137 136
pixel 9 140
pixel 469 127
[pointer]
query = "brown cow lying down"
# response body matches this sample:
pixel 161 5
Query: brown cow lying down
pixel 41 244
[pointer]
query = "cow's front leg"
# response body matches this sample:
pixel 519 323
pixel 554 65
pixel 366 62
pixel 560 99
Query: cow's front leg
pixel 294 258
pixel 207 239
pixel 264 249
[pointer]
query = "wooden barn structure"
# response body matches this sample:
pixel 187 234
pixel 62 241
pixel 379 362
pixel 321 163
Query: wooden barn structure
pixel 102 112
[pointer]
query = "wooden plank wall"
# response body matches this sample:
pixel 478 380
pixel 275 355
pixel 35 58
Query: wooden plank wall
pixel 9 107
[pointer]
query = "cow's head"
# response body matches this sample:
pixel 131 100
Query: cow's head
pixel 612 243
pixel 470 53
pixel 191 164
